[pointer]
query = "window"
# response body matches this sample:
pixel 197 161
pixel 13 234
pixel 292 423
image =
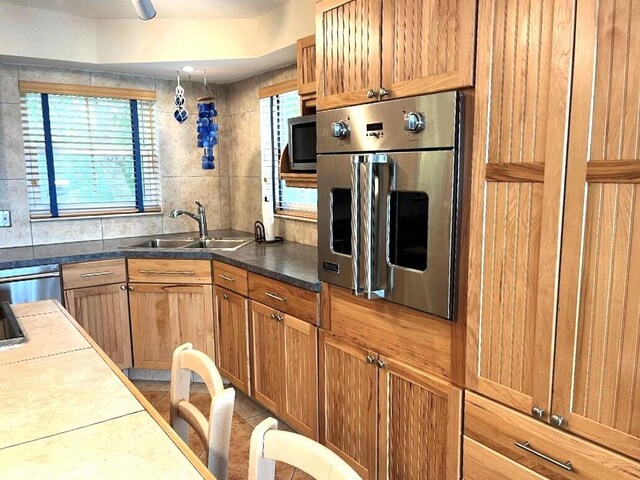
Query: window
pixel 274 133
pixel 89 155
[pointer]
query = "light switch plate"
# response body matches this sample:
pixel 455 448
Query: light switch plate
pixel 5 218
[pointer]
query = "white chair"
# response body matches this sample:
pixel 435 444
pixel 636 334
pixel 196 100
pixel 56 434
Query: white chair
pixel 269 445
pixel 216 433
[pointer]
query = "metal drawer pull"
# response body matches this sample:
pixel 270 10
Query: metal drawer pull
pixel 275 297
pixel 225 296
pixel 277 317
pixel 167 272
pixel 228 279
pixel 95 274
pixel 526 446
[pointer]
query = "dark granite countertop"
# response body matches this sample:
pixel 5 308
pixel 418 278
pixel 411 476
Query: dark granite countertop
pixel 289 262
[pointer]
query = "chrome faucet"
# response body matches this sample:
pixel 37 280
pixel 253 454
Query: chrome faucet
pixel 201 218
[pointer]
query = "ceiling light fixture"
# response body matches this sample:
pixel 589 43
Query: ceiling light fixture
pixel 188 69
pixel 145 9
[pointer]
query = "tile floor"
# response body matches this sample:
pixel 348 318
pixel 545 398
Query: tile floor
pixel 247 414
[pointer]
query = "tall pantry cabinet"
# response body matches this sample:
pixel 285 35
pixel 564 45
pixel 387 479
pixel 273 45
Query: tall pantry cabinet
pixel 553 303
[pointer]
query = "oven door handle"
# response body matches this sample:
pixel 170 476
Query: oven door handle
pixel 356 161
pixel 369 211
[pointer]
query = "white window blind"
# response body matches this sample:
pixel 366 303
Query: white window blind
pixel 89 155
pixel 274 133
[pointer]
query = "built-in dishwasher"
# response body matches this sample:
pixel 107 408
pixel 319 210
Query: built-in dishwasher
pixel 29 284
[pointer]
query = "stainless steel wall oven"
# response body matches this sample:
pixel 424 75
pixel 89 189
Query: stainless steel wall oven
pixel 388 199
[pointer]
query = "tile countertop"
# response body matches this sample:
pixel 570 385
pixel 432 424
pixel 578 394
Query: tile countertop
pixel 289 262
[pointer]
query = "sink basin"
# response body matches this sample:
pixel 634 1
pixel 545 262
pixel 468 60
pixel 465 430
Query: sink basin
pixel 160 243
pixel 222 243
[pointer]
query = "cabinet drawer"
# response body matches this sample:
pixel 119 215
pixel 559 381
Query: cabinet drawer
pixel 481 463
pixel 230 277
pixel 169 271
pixel 542 447
pixel 90 274
pixel 286 298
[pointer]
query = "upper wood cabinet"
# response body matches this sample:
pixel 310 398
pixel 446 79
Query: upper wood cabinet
pixel 517 180
pixel 306 65
pixel 164 316
pixel 406 47
pixel 597 375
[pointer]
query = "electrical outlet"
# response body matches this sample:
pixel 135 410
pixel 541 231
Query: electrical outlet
pixel 5 218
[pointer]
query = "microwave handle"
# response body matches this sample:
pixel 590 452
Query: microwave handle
pixel 356 161
pixel 367 222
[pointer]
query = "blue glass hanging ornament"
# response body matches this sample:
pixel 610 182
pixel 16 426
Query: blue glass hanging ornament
pixel 180 113
pixel 207 128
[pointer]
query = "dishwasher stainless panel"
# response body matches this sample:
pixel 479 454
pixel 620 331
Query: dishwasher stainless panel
pixel 29 284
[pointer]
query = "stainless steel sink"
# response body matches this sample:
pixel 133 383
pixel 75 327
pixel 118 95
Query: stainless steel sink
pixel 222 243
pixel 161 243
pixel 218 243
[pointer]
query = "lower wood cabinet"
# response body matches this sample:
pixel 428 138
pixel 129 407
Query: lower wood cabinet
pixel 284 367
pixel 385 418
pixel 232 337
pixel 482 463
pixel 164 316
pixel 103 311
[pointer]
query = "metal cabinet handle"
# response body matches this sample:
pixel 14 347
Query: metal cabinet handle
pixel 371 359
pixel 557 421
pixel 131 288
pixel 526 446
pixel 371 93
pixel 167 272
pixel 381 364
pixel 21 278
pixel 383 92
pixel 225 296
pixel 275 297
pixel 123 287
pixel 537 412
pixel 95 274
pixel 228 279
pixel 277 317
pixel 355 223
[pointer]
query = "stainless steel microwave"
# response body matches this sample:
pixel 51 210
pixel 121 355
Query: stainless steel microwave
pixel 302 143
pixel 388 195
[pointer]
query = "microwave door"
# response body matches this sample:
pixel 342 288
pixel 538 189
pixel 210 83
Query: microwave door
pixel 335 207
pixel 419 219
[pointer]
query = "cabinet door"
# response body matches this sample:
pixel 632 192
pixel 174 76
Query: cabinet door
pixel 427 46
pixel 597 379
pixel 481 463
pixel 267 368
pixel 517 179
pixel 348 51
pixel 166 316
pixel 349 402
pixel 104 313
pixel 232 337
pixel 420 424
pixel 300 407
pixel 306 65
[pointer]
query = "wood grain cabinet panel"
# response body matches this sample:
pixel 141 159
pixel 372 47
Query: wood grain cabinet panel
pixel 266 360
pixel 103 311
pixel 306 65
pixel 482 463
pixel 350 403
pixel 517 179
pixel 597 377
pixel 427 46
pixel 232 337
pixel 166 316
pixel 348 51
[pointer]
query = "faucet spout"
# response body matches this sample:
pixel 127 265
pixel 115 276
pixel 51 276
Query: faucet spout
pixel 200 217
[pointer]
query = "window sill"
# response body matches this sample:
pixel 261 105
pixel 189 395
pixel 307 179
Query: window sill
pixel 89 217
pixel 299 216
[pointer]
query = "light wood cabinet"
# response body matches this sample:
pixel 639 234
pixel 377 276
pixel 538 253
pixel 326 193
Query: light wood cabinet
pixel 164 316
pixel 408 47
pixel 517 182
pixel 95 293
pixel 232 337
pixel 482 463
pixel 385 418
pixel 306 65
pixel 103 312
pixel 284 374
pixel 597 375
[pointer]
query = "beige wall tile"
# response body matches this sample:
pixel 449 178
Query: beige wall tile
pixel 297 230
pixel 13 196
pixel 100 79
pixel 246 206
pixel 282 74
pixel 62 231
pixel 12 164
pixel 53 75
pixel 185 191
pixel 244 136
pixel 242 96
pixel 225 203
pixel 133 226
pixel 9 84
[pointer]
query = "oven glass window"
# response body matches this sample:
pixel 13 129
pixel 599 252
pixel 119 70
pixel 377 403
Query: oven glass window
pixel 408 229
pixel 341 220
